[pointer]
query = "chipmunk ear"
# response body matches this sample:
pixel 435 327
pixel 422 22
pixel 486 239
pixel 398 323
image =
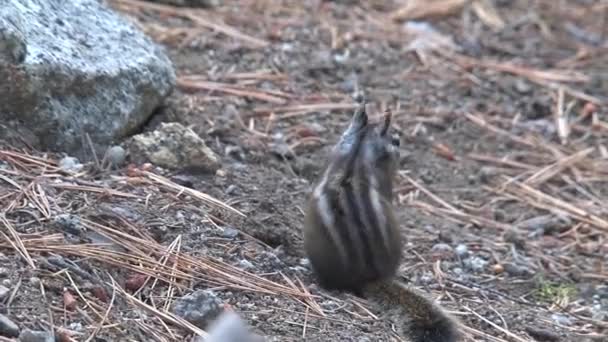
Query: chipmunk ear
pixel 387 122
pixel 359 119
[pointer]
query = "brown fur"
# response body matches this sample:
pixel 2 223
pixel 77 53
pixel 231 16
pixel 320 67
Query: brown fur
pixel 352 238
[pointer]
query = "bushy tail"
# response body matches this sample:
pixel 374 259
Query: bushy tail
pixel 419 318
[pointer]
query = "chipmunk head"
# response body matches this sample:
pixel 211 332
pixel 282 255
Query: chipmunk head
pixel 369 146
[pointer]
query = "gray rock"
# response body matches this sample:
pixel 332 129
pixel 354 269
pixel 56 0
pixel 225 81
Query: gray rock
pixel 245 264
pixel 8 328
pixel 13 47
pixel 4 292
pixel 72 68
pixel 199 308
pixel 28 335
pixel 442 251
pixel 70 164
pixel 475 264
pixel 35 281
pixel 462 250
pixel 229 232
pixel 173 146
pixel 516 270
pixel 116 156
pixel 190 3
pixel 561 319
pixel 68 223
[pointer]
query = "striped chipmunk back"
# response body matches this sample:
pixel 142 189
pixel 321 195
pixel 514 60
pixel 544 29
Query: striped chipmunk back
pixel 350 234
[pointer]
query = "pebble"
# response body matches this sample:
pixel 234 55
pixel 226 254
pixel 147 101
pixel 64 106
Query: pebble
pixel 230 233
pixel 28 335
pixel 232 190
pixel 68 223
pixel 116 156
pixel 475 264
pixel 70 164
pixel 4 272
pixel 4 291
pixel 462 250
pixel 245 264
pixel 522 86
pixel 515 270
pixel 8 328
pixel 442 251
pixel 235 152
pixel 561 319
pixel 199 307
pixel 35 281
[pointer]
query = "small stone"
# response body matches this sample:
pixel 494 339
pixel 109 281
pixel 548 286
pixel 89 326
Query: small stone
pixel 462 250
pixel 475 264
pixel 70 164
pixel 230 233
pixel 4 292
pixel 429 228
pixel 427 278
pixel 232 190
pixel 174 146
pixel 540 334
pixel 487 172
pixel 116 156
pixel 442 251
pixel 4 272
pixel 8 328
pixel 68 223
pixel 515 270
pixel 198 308
pixel 245 264
pixel 35 281
pixel 522 86
pixel 498 268
pixel 235 152
pixel 28 335
pixel 561 319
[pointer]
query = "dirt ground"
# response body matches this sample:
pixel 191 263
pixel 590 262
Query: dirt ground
pixel 501 201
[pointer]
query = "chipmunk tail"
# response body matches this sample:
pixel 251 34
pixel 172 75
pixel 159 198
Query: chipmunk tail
pixel 419 318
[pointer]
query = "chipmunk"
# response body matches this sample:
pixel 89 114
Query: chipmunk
pixel 351 235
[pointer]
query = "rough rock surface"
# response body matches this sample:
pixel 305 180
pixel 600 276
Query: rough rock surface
pixel 189 3
pixel 200 308
pixel 174 146
pixel 36 336
pixel 8 328
pixel 76 67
